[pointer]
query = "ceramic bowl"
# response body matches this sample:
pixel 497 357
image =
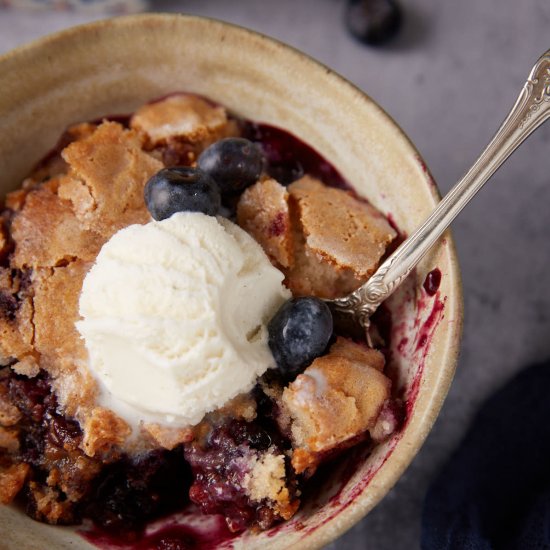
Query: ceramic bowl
pixel 115 65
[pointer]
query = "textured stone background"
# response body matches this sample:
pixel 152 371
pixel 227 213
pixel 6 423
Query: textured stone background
pixel 448 81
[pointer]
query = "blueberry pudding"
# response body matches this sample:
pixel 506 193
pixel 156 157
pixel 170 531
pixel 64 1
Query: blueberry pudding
pixel 164 339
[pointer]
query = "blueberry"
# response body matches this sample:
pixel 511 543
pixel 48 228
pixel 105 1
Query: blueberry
pixel 373 21
pixel 234 163
pixel 298 333
pixel 181 189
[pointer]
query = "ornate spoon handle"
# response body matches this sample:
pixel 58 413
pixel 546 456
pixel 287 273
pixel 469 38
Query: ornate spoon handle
pixel 531 109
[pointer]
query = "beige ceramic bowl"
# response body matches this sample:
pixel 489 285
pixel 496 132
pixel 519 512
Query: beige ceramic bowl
pixel 113 66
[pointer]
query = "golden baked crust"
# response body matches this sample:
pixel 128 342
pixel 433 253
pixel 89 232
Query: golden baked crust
pixel 341 240
pixel 177 128
pixel 12 479
pixel 111 170
pixel 326 241
pixel 181 116
pixel 263 212
pixel 343 230
pixel 55 337
pixel 337 398
pixel 27 366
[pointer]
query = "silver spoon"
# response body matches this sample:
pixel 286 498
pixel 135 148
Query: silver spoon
pixel 531 109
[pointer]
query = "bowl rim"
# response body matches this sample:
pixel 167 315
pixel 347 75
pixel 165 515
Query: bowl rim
pixel 421 421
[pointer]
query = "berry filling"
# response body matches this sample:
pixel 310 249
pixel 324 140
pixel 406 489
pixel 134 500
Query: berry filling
pixel 220 465
pixel 119 493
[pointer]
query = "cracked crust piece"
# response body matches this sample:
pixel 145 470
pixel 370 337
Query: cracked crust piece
pixel 27 366
pixel 325 241
pixel 336 399
pixel 178 128
pixel 310 274
pixel 47 232
pixel 111 170
pixel 263 212
pixel 185 117
pixel 339 232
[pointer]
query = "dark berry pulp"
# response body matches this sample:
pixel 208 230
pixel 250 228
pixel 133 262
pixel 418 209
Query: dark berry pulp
pixel 289 158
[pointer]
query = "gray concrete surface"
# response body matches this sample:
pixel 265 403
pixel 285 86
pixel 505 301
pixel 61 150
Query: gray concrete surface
pixel 448 81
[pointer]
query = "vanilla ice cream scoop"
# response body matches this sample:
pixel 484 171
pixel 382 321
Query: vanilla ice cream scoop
pixel 174 317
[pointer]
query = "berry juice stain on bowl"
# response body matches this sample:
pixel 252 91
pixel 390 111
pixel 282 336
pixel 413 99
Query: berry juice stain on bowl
pixel 252 463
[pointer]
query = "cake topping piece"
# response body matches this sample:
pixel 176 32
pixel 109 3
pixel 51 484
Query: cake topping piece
pixel 180 116
pixel 326 241
pixel 112 167
pixel 262 211
pixel 336 399
pixel 48 233
pixel 347 232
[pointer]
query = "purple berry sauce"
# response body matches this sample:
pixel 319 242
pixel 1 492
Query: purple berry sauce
pixel 289 158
